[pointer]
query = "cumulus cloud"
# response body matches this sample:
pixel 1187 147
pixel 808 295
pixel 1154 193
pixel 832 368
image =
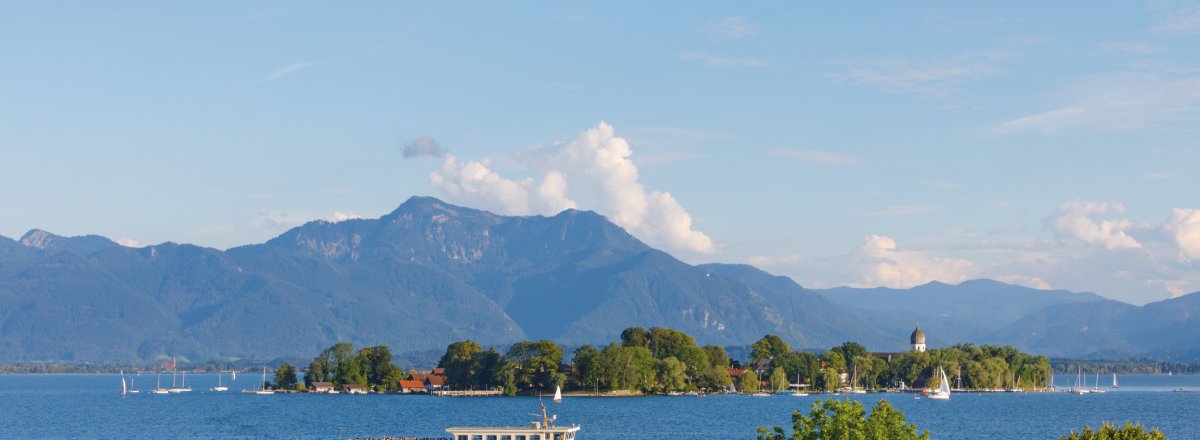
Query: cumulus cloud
pixel 877 261
pixel 1075 220
pixel 594 170
pixel 1183 227
pixel 129 242
pixel 882 264
pixel 339 216
pixel 423 146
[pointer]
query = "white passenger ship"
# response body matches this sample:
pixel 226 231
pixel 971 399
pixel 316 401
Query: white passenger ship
pixel 543 430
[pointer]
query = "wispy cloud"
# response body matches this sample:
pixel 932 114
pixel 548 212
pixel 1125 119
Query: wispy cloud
pixel 816 156
pixel 1041 121
pixel 562 87
pixel 1117 102
pixel 734 27
pixel 1131 48
pixel 423 146
pixel 1180 21
pixel 288 70
pixel 903 210
pixel 721 61
pixel 900 75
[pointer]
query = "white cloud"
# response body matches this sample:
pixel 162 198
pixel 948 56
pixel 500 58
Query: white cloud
pixel 1024 280
pixel 1117 102
pixel 596 169
pixel 1044 121
pixel 339 216
pixel 422 146
pixel 1184 20
pixel 1183 227
pixel 734 27
pixel 278 220
pixel 882 264
pixel 474 183
pixel 816 156
pixel 129 242
pixel 934 77
pixel 904 210
pixel 1131 48
pixel 1075 221
pixel 288 70
pixel 721 61
pixel 876 262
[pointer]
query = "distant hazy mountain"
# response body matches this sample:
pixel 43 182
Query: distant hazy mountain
pixel 1168 330
pixel 422 276
pixel 430 273
pixel 968 311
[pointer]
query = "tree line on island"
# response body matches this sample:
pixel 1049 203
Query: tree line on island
pixel 662 360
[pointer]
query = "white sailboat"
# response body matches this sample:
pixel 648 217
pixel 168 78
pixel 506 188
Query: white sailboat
pixel 1079 387
pixel 557 394
pixel 943 390
pixel 132 390
pixel 1096 388
pixel 159 389
pixel 124 390
pixel 183 388
pixel 854 383
pixel 263 387
pixel 799 391
pixel 220 388
pixel 1115 381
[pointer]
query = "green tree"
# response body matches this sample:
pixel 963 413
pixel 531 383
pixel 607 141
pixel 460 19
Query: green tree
pixel 506 377
pixel 831 380
pixel 1109 431
pixel 488 365
pixel 672 375
pixel 285 377
pixel 769 347
pixel 779 380
pixel 538 363
pixel 315 373
pixel 635 337
pixel 834 419
pixel 748 382
pixel 376 365
pixel 459 363
pixel 587 367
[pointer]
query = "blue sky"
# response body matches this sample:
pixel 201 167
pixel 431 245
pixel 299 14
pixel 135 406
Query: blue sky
pixel 1049 145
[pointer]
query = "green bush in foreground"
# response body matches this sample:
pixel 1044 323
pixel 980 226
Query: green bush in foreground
pixel 1110 431
pixel 834 419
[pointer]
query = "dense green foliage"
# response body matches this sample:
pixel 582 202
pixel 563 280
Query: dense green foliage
pixel 341 365
pixel 285 377
pixel 846 419
pixel 1112 432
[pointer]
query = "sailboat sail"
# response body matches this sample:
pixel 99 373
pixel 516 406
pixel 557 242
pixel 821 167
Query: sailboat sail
pixel 1114 380
pixel 944 387
pixel 557 394
pixel 124 390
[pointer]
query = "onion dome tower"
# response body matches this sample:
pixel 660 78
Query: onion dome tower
pixel 918 340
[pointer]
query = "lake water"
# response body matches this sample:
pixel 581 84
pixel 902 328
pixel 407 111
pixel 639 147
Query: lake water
pixel 88 406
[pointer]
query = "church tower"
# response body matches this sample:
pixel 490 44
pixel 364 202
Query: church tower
pixel 918 340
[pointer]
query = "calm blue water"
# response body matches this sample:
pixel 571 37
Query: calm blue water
pixel 88 406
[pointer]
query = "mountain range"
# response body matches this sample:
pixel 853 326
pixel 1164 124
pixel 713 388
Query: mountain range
pixel 430 273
